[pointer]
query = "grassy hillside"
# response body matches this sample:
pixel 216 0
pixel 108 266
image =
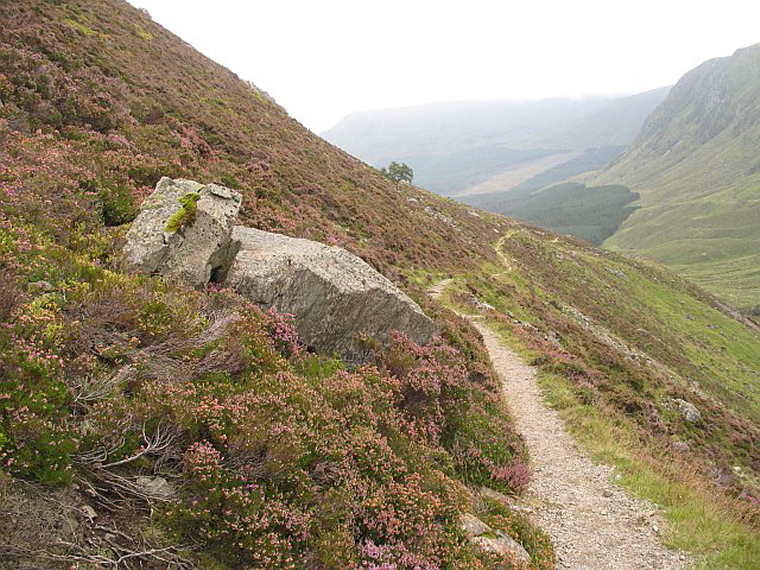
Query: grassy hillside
pixel 695 165
pixel 144 425
pixel 591 160
pixel 618 343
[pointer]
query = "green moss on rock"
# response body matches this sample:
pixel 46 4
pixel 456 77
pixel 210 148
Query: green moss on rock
pixel 184 215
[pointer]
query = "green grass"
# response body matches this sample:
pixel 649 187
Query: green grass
pixel 734 280
pixel 590 213
pixel 701 522
pixel 698 177
pixel 620 406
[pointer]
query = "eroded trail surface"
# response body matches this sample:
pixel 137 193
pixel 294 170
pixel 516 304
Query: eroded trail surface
pixel 594 524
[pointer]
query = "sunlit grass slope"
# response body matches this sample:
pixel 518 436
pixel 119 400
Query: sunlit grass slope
pixel 695 165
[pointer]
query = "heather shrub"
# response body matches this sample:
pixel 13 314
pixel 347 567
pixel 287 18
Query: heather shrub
pixel 39 438
pixel 279 458
pixel 116 204
pixel 292 459
pixel 443 406
pixel 10 292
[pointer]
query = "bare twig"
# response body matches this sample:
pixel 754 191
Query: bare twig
pixel 154 444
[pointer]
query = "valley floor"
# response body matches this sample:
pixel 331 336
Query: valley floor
pixel 594 524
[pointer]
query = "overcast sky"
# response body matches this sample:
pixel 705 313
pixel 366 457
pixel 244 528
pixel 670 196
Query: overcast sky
pixel 324 59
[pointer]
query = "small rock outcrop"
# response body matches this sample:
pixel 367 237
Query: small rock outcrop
pixel 689 411
pixel 493 541
pixel 180 241
pixel 335 297
pixel 156 488
pixel 185 232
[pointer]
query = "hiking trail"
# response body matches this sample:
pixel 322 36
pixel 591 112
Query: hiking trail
pixel 593 523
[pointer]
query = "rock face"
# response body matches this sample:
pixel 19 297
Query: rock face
pixel 335 297
pixel 196 250
pixel 494 541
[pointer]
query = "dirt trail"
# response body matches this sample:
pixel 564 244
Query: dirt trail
pixel 594 524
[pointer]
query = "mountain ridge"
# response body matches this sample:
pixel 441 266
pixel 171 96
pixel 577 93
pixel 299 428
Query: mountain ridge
pixel 478 142
pixel 696 170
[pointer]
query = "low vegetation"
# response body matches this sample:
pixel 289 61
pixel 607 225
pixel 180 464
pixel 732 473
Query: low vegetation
pixel 617 344
pixel 275 458
pixel 145 425
pixel 181 428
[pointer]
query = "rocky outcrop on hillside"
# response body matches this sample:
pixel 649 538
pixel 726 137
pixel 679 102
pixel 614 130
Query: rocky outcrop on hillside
pixel 338 300
pixel 339 303
pixel 183 231
pixel 493 541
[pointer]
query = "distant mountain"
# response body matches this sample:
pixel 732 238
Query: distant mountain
pixel 614 124
pixel 449 127
pixel 696 165
pixel 480 146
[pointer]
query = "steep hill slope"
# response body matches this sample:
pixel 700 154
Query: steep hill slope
pixel 695 165
pixel 145 425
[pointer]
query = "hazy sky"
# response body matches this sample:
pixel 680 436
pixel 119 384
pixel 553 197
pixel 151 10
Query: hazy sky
pixel 323 59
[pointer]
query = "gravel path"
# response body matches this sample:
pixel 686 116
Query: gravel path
pixel 594 524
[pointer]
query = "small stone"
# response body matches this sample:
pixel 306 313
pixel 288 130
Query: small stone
pixel 504 545
pixel 41 285
pixel 473 526
pixel 655 529
pixel 607 493
pixel 155 487
pixel 688 410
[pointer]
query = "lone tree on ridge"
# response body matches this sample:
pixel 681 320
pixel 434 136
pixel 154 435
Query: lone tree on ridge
pixel 398 172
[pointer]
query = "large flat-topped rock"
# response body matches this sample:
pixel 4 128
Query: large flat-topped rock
pixel 190 248
pixel 340 304
pixel 336 298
